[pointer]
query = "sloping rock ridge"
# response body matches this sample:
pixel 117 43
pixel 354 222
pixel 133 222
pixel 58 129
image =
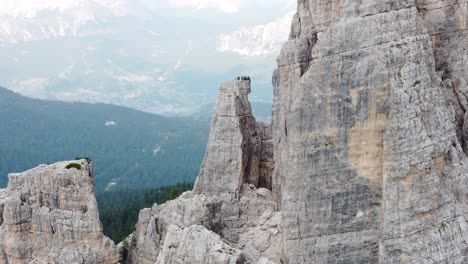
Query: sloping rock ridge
pixel 366 161
pixel 49 215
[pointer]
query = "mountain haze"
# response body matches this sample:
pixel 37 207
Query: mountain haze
pixel 86 50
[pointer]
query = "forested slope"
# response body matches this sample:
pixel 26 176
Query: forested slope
pixel 130 148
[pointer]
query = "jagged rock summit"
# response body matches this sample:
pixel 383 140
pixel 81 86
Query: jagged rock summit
pixel 230 216
pixel 368 138
pixel 239 148
pixel 49 215
pixel 365 160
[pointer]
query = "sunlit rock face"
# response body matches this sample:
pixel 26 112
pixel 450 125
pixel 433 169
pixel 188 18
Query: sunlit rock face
pixel 49 215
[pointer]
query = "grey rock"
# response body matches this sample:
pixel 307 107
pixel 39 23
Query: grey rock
pixel 231 197
pixel 267 161
pixel 196 245
pixel 248 224
pixel 369 165
pixel 239 149
pixel 49 215
pixel 153 224
pixel 366 158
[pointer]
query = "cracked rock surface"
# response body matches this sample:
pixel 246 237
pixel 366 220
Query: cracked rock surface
pixel 369 131
pixel 366 155
pixel 49 215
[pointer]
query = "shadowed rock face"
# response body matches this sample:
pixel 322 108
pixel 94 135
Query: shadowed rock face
pixel 368 151
pixel 49 215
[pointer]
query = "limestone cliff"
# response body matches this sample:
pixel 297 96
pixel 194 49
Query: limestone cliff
pixel 230 216
pixel 369 135
pixel 364 162
pixel 368 130
pixel 49 215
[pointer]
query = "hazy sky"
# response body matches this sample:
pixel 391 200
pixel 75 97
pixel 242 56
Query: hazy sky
pixel 262 8
pixel 159 56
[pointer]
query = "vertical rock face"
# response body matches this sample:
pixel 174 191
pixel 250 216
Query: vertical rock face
pixel 446 22
pixel 239 149
pixel 49 215
pixel 365 161
pixel 230 216
pixel 368 147
pixel 368 132
pixel 267 162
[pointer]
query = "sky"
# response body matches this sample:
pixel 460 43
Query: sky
pixel 163 56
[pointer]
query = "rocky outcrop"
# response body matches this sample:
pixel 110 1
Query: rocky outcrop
pixel 49 215
pixel 239 149
pixel 179 247
pixel 153 224
pixel 247 230
pixel 365 160
pixel 369 160
pixel 230 216
pixel 367 141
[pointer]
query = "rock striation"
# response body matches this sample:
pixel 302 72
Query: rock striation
pixel 49 215
pixel 366 162
pixel 368 131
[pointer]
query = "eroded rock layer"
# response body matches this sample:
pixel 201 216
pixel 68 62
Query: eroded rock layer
pixel 49 215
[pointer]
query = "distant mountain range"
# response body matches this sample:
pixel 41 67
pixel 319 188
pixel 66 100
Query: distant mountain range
pixel 130 149
pixel 154 56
